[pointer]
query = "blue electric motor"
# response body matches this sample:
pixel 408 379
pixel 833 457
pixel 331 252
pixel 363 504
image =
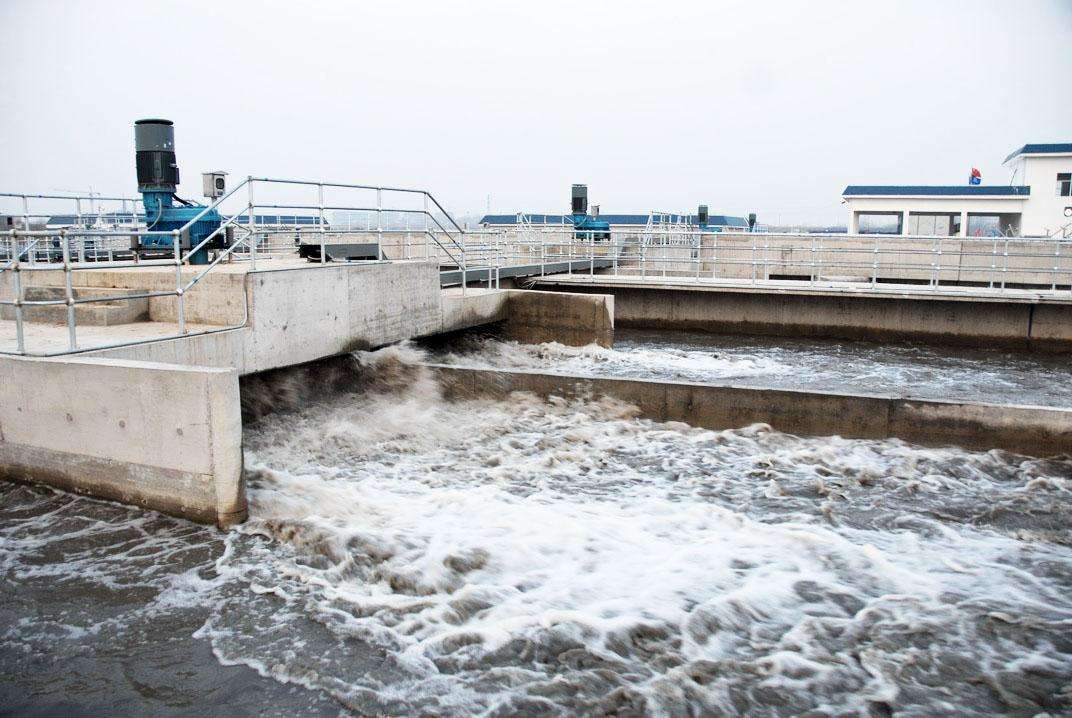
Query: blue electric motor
pixel 158 177
pixel 585 225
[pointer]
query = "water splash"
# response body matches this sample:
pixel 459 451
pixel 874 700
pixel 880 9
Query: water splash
pixel 409 555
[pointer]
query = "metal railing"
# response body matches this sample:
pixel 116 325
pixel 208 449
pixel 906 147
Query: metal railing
pixel 84 241
pixel 841 262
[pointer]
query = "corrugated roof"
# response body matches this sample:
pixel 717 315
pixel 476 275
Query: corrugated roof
pixel 1053 148
pixel 858 190
pixel 622 219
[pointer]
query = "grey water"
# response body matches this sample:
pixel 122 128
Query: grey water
pixel 919 371
pixel 406 555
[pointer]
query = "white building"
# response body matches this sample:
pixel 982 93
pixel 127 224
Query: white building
pixel 1036 203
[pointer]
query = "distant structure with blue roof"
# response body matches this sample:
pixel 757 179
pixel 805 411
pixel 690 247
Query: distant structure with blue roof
pixel 1036 201
pixel 615 220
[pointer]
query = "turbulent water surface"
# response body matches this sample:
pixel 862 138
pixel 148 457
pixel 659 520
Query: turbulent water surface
pixel 409 556
pixel 987 375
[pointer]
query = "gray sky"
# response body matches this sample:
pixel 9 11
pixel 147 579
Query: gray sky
pixel 748 106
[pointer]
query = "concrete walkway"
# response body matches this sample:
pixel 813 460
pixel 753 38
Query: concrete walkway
pixel 44 339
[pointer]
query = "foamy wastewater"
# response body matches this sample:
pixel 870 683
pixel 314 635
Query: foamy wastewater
pixel 926 372
pixel 411 555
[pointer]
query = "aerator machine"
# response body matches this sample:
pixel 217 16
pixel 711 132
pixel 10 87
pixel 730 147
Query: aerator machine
pixel 158 178
pixel 587 226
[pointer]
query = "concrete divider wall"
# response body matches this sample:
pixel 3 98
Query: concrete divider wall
pixel 1034 431
pixel 786 312
pixel 534 317
pixel 303 313
pixel 161 436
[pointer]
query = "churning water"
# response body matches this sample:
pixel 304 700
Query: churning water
pixel 926 372
pixel 410 556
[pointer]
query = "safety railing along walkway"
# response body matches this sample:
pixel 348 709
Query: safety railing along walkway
pixel 31 245
pixel 882 262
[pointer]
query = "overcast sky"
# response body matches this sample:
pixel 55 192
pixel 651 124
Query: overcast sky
pixel 748 106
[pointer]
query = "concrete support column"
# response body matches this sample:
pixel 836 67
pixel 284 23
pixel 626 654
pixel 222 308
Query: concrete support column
pixel 904 222
pixel 854 222
pixel 964 223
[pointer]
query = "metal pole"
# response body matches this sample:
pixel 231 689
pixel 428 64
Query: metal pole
pixel 753 259
pixel 20 339
pixel 699 249
pixel 714 254
pixel 993 264
pixel 320 192
pixel 591 254
pixel 874 268
pixel 178 281
pixel 26 222
pixel 766 258
pixel 250 225
pixel 617 248
pixel 1005 267
pixel 424 220
pixel 72 340
pixel 379 222
pixel 1056 262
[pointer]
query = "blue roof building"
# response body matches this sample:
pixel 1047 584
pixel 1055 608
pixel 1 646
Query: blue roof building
pixel 1036 201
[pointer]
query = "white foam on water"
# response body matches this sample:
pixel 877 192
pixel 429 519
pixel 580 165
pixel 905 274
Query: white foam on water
pixel 635 360
pixel 409 554
pixel 823 366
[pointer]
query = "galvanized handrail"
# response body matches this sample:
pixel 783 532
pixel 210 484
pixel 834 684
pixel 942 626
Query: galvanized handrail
pixel 69 261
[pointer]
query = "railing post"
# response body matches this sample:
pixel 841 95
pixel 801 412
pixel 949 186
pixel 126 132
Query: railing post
pixel 874 267
pixel 1056 263
pixel 714 254
pixel 936 263
pixel 543 255
pixel 72 340
pixel 753 259
pixel 379 222
pixel 591 254
pixel 320 193
pixel 26 224
pixel 250 225
pixel 424 221
pixel 179 294
pixel 20 339
pixel 766 258
pixel 699 252
pixel 993 264
pixel 1005 266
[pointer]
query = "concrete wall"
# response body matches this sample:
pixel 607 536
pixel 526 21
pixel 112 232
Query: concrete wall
pixel 1035 431
pixel 533 317
pixel 783 312
pixel 161 436
pixel 300 313
pixel 536 317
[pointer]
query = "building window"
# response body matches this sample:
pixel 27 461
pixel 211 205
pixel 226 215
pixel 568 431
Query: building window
pixel 1064 184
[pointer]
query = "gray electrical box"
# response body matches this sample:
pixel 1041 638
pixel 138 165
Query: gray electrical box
pixel 213 184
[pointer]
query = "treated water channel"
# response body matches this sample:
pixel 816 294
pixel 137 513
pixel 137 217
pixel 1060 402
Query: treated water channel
pixel 406 555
